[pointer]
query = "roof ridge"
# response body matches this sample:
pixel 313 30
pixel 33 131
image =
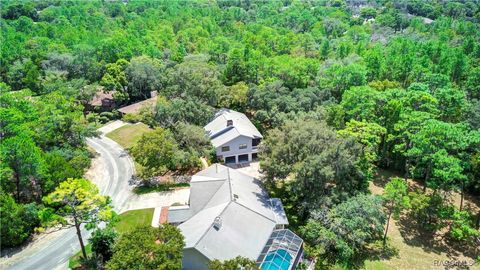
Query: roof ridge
pixel 210 226
pixel 241 204
pixel 216 180
pixel 230 184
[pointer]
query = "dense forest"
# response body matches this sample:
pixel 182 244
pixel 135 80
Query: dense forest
pixel 339 88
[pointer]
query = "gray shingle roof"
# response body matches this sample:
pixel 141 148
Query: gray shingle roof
pixel 219 132
pixel 242 206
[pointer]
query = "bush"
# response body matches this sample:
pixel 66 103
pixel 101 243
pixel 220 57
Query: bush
pixel 102 243
pixel 132 118
pixel 17 220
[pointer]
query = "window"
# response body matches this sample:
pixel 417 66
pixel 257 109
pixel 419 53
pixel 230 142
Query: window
pixel 242 146
pixel 225 148
pixel 255 142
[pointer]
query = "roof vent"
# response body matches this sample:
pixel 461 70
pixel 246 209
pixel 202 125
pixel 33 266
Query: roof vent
pixel 235 197
pixel 229 123
pixel 217 223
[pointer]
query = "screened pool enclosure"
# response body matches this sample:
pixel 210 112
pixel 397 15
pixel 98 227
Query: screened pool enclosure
pixel 282 252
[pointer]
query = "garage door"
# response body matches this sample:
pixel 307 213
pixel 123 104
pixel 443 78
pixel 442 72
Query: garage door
pixel 243 158
pixel 229 160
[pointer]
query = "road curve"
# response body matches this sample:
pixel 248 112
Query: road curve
pixel 55 254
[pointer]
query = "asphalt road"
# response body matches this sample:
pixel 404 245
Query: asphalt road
pixel 55 254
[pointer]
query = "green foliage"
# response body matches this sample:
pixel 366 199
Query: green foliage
pixel 395 196
pixel 462 227
pixel 395 199
pixel 189 110
pixel 311 156
pixel 148 248
pixel 73 203
pixel 23 167
pixel 233 264
pixel 102 242
pixel 275 61
pixel 18 220
pixel 155 152
pixel 78 199
pixel 342 232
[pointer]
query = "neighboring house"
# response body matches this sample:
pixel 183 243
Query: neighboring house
pixel 102 100
pixel 136 108
pixel 229 215
pixel 234 137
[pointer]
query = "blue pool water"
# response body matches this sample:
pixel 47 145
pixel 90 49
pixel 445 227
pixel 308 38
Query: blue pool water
pixel 277 260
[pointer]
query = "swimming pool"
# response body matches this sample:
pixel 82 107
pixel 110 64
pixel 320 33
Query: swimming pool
pixel 277 260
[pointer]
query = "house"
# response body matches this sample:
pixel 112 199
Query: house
pixel 136 108
pixel 102 100
pixel 229 215
pixel 234 137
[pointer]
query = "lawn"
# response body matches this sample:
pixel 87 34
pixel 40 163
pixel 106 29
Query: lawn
pixel 128 135
pixel 126 222
pixel 417 249
pixel 134 218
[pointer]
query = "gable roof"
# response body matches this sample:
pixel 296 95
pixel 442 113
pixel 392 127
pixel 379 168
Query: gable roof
pixel 220 133
pixel 246 214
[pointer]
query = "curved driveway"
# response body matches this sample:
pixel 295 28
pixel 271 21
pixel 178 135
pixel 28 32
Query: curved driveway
pixel 55 254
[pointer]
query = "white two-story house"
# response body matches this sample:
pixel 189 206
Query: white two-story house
pixel 234 137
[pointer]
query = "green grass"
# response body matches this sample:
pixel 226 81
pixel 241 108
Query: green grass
pixel 376 265
pixel 159 188
pixel 128 135
pixel 132 219
pixel 127 221
pixel 75 260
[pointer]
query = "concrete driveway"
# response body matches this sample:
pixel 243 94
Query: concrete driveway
pixel 252 169
pixel 158 199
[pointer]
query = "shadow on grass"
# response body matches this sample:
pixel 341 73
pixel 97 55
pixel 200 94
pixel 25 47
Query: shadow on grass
pixel 373 252
pixel 382 177
pixel 436 242
pixel 158 188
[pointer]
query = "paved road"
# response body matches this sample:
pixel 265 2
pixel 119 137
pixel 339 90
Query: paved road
pixel 55 254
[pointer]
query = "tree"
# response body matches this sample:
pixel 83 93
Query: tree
pixel 148 248
pixel 395 199
pixel 193 138
pixel 73 203
pixel 308 155
pixel 361 103
pixel 338 78
pixel 143 76
pixel 452 104
pixel 23 168
pixel 155 152
pixel 430 146
pixel 235 97
pixel 369 135
pixel 235 70
pixel 233 264
pixel 194 79
pixel 463 226
pixel 115 79
pixel 18 220
pixel 103 241
pixel 188 110
pixel 344 230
